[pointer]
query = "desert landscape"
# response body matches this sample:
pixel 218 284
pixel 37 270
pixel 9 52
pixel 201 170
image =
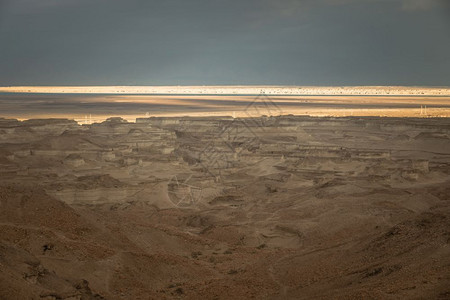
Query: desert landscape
pixel 218 207
pixel 95 104
pixel 224 150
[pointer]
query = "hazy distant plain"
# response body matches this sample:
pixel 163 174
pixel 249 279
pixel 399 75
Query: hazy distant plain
pixel 101 106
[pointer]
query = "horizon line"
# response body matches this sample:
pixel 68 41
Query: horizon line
pixel 279 90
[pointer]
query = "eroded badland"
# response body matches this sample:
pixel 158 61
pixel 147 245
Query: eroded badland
pixel 288 207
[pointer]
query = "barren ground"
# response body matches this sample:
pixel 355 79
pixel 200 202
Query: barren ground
pixel 289 207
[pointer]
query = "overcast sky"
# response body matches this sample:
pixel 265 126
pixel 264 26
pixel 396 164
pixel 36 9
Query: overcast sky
pixel 207 42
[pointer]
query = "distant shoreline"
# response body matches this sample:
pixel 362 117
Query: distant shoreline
pixel 224 95
pixel 368 91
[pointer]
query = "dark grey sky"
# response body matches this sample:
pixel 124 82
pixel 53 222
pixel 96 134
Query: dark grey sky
pixel 204 42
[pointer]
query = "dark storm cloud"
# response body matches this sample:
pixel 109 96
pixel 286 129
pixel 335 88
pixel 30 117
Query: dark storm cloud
pixel 306 42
